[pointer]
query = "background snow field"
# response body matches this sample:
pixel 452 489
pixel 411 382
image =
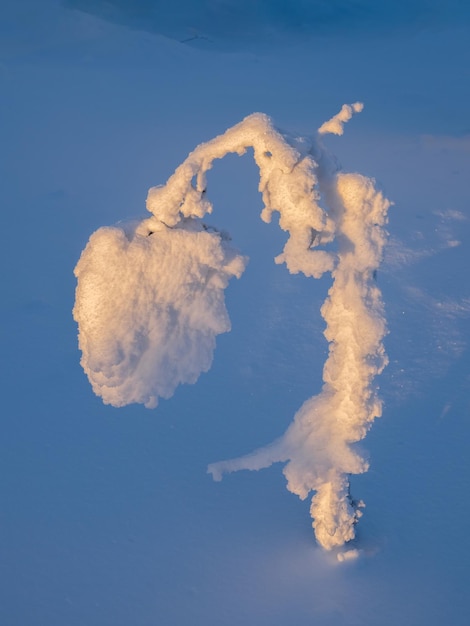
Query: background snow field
pixel 108 516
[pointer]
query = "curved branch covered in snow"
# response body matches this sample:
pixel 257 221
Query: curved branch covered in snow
pixel 288 184
pixel 149 307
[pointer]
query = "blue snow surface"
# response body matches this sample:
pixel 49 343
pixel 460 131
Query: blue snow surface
pixel 107 516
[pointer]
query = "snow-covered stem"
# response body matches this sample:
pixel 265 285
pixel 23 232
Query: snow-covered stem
pixel 317 446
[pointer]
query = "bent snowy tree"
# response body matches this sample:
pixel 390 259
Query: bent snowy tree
pixel 150 302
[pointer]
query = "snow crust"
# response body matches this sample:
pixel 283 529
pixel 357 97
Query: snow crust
pixel 150 302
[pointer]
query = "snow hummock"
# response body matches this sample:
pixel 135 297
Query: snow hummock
pixel 150 302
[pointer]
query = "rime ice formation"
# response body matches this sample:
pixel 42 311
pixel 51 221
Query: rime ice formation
pixel 149 305
pixel 150 302
pixel 317 446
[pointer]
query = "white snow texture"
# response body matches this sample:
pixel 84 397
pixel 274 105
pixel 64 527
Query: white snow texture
pixel 149 306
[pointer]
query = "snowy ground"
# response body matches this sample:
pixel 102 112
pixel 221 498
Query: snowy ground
pixel 108 516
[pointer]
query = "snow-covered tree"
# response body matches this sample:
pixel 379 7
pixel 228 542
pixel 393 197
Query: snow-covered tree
pixel 150 302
